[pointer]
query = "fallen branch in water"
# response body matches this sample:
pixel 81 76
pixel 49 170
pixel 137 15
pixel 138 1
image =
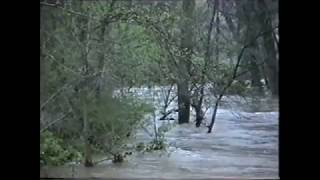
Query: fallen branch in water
pixel 99 161
pixel 164 115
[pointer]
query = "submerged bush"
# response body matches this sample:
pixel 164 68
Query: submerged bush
pixel 54 151
pixel 111 123
pixel 114 121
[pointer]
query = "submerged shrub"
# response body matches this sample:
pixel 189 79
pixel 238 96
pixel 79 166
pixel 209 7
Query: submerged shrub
pixel 54 151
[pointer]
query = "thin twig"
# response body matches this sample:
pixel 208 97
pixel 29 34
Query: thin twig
pixel 168 113
pixel 60 64
pixel 55 121
pixel 53 96
pixel 68 10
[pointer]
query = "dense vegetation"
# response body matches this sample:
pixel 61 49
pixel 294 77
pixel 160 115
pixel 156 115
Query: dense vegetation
pixel 93 52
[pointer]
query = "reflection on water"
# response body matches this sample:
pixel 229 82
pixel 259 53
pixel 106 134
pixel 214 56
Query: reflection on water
pixel 243 144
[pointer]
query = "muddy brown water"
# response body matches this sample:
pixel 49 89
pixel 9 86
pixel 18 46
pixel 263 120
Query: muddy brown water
pixel 243 145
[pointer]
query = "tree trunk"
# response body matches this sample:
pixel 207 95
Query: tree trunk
pixel 103 34
pixel 256 77
pixel 185 64
pixel 225 88
pixel 208 53
pixel 46 42
pixel 183 102
pixel 217 52
pixel 43 77
pixel 265 77
pixel 248 16
pixel 213 118
pixel 88 162
pixel 271 62
pixel 84 38
pixel 100 59
pixel 43 70
pixel 199 115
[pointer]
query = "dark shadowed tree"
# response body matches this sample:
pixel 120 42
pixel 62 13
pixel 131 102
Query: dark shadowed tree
pixel 184 62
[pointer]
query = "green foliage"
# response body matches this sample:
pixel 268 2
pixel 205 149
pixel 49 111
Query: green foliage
pixel 158 143
pixel 113 120
pixel 54 151
pixel 139 56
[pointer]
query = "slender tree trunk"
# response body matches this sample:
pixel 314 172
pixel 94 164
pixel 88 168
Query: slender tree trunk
pixel 46 42
pixel 103 34
pixel 217 50
pixel 183 102
pixel 185 64
pixel 88 162
pixel 265 77
pixel 214 114
pixel 43 77
pixel 248 16
pixel 199 114
pixel 84 38
pixel 225 88
pixel 101 54
pixel 255 76
pixel 43 69
pixel 88 150
pixel 271 62
pixel 42 60
pixel 208 54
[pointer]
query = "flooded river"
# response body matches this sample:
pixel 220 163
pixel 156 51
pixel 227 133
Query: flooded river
pixel 243 144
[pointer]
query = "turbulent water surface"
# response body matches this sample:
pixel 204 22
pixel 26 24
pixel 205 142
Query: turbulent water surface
pixel 243 144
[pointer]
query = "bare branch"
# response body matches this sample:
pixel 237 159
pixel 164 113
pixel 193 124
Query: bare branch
pixel 55 121
pixel 235 70
pixel 60 64
pixel 165 114
pixel 53 96
pixel 104 159
pixel 68 10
